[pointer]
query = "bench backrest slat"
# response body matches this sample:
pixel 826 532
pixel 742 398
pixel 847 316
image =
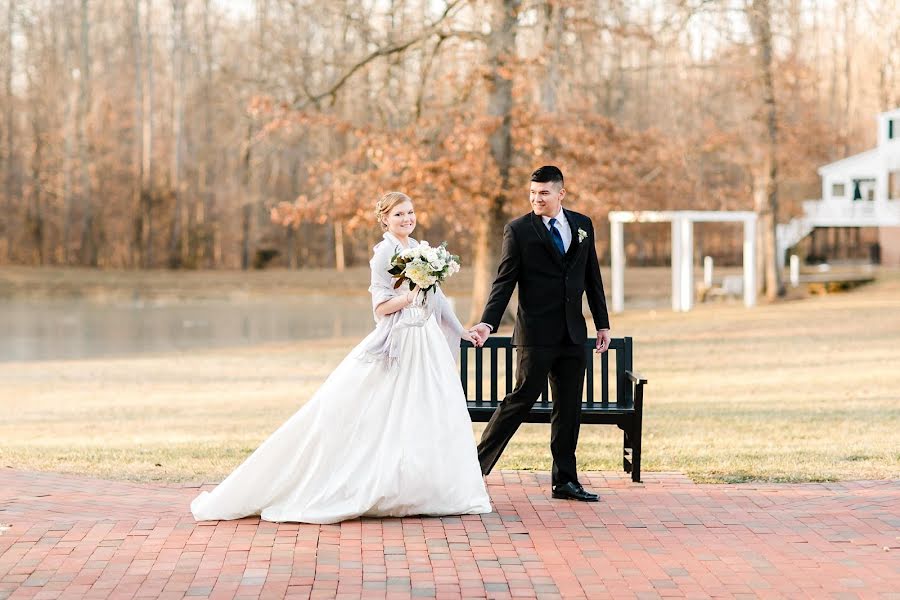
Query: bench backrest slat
pixel 604 390
pixel 623 390
pixel 589 382
pixel 464 367
pixel 494 374
pixel 509 369
pixel 479 374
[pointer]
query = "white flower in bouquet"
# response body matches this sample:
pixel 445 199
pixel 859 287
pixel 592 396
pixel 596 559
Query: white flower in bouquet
pixel 424 266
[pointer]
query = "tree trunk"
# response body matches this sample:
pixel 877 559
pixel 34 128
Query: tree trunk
pixel 9 122
pixel 69 124
pixel 250 193
pixel 89 249
pixel 501 50
pixel 849 7
pixel 176 250
pixel 795 27
pixel 147 152
pixel 837 120
pixel 760 17
pixel 205 223
pixel 339 261
pixel 246 212
pixel 554 27
pixel 137 251
pixel 291 244
pixel 35 215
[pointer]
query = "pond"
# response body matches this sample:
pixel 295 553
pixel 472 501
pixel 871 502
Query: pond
pixel 74 328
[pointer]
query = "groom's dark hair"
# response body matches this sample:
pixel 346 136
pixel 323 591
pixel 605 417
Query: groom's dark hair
pixel 548 174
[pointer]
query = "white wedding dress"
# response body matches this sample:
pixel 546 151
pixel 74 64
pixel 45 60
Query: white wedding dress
pixel 386 435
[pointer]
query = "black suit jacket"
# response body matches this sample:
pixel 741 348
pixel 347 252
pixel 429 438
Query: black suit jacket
pixel 550 285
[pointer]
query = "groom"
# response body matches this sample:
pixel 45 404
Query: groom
pixel 549 253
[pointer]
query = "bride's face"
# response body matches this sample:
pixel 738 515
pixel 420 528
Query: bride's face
pixel 401 220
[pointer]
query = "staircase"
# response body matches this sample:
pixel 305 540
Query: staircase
pixel 789 234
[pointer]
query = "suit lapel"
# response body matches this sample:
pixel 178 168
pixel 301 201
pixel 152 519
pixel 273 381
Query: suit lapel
pixel 544 234
pixel 575 246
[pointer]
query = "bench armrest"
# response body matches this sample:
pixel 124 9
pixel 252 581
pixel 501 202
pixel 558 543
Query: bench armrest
pixel 636 378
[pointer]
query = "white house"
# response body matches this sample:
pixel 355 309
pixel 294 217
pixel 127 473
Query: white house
pixel 862 190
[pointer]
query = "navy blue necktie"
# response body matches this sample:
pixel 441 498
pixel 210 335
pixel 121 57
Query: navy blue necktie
pixel 557 237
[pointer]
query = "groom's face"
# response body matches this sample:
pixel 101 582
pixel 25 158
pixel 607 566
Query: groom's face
pixel 546 198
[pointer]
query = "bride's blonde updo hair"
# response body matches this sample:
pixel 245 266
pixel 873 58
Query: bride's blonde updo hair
pixel 386 204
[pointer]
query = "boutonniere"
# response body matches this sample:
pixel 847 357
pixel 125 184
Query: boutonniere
pixel 581 235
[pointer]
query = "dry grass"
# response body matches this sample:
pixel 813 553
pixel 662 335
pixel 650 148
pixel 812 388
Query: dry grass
pixel 797 391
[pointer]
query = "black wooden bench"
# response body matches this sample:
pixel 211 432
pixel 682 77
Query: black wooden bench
pixel 626 411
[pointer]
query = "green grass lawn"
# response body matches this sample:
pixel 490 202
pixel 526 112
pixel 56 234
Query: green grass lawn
pixel 805 390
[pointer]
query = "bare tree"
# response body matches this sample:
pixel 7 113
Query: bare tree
pixel 759 15
pixel 137 244
pixel 70 126
pixel 409 92
pixel 34 217
pixel 206 207
pixel 176 242
pixel 848 10
pixel 553 28
pixel 501 50
pixel 148 125
pixel 886 17
pixel 89 249
pixel 9 120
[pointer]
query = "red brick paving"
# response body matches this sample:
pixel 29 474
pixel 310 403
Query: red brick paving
pixel 73 537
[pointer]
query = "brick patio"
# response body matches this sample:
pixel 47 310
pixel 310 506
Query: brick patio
pixel 73 537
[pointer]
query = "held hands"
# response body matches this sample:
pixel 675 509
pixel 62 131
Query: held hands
pixel 480 333
pixel 602 340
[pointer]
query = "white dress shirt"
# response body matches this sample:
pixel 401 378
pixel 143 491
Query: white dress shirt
pixel 563 226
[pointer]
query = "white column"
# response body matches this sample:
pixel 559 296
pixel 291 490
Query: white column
pixel 750 262
pixel 676 264
pixel 617 263
pixel 682 264
pixel 707 271
pixel 686 288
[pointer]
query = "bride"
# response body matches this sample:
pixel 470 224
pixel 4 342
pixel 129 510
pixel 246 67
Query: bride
pixel 387 434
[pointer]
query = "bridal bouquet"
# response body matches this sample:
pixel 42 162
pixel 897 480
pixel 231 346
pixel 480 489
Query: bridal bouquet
pixel 423 266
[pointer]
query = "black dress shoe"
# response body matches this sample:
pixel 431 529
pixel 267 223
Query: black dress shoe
pixel 574 491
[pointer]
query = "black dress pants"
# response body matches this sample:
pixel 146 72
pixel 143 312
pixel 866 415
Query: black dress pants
pixel 565 366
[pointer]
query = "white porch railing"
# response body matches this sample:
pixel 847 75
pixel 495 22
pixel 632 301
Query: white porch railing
pixel 852 213
pixel 847 213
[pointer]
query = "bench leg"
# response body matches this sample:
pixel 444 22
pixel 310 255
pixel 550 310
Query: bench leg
pixel 636 456
pixel 627 451
pixel 637 432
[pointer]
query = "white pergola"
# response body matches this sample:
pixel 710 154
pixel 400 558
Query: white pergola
pixel 682 250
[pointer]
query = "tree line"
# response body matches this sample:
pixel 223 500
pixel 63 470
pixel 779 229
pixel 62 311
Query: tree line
pixel 211 134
